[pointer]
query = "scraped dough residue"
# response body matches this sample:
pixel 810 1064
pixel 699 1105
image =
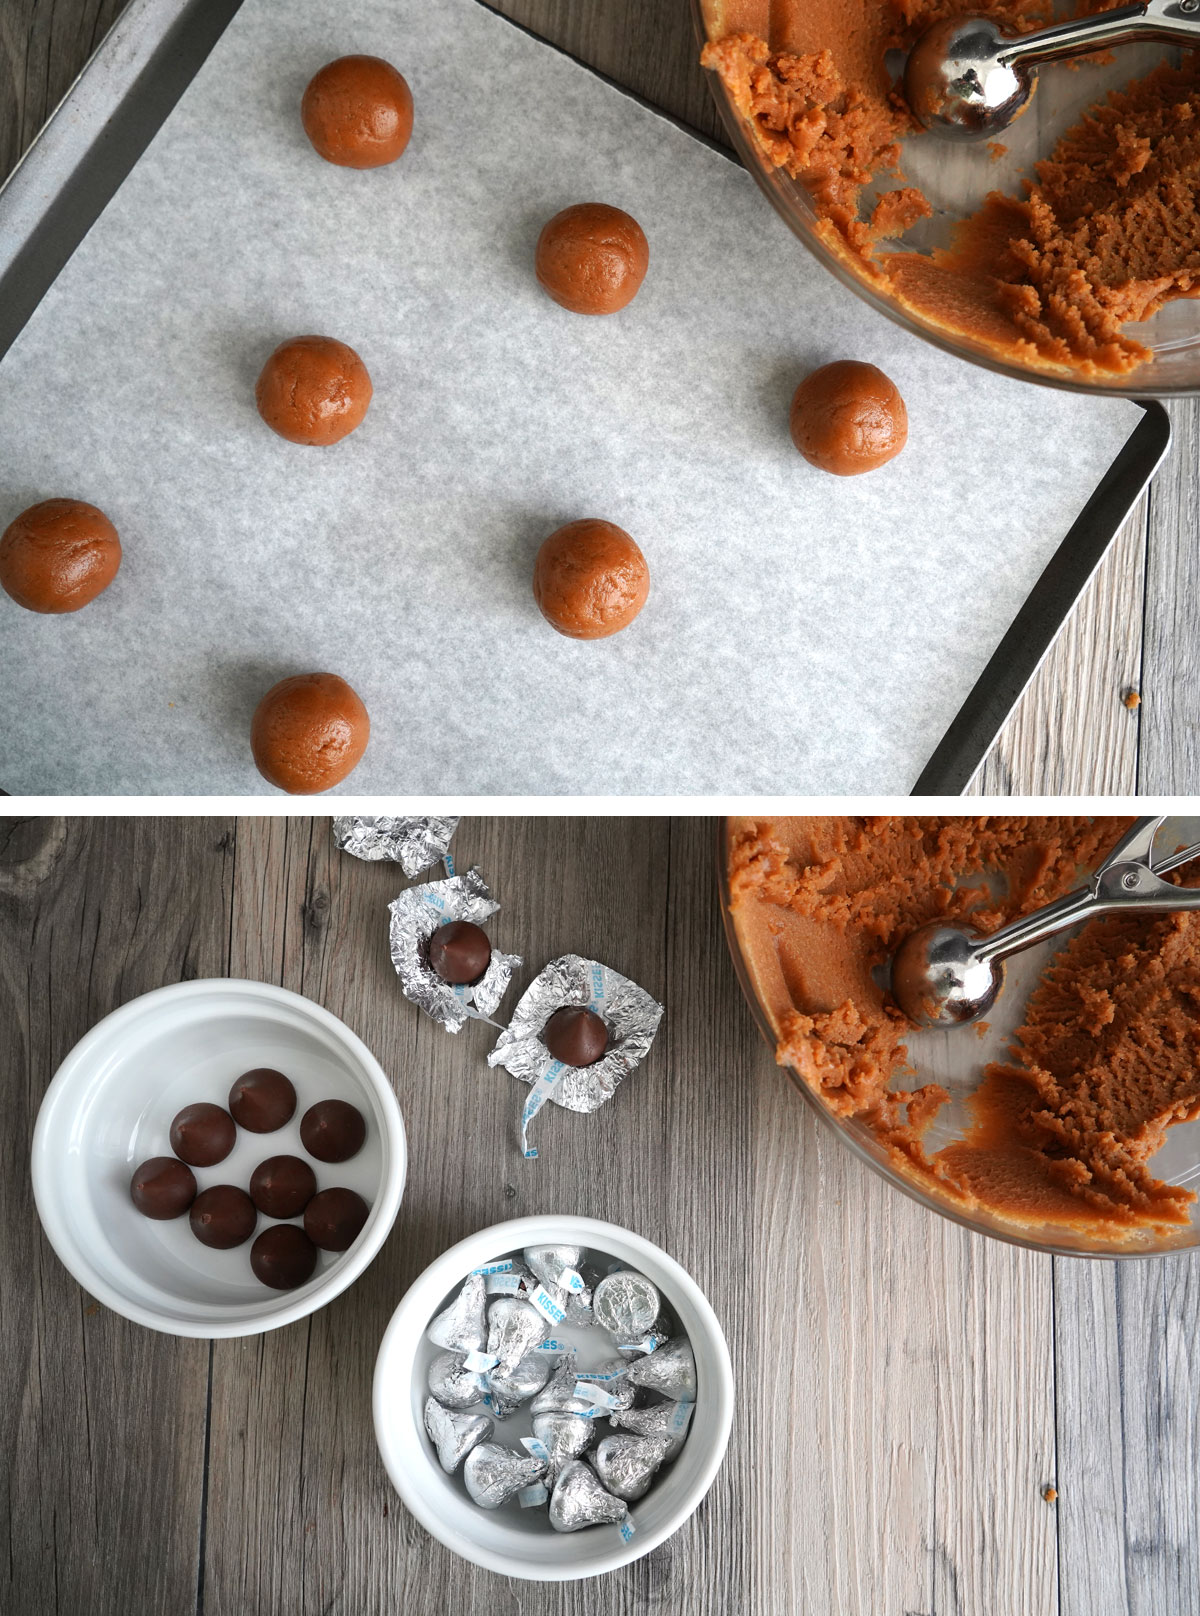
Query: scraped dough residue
pixel 1108 1056
pixel 1106 234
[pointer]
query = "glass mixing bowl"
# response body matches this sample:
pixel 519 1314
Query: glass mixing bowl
pixel 956 1059
pixel 956 178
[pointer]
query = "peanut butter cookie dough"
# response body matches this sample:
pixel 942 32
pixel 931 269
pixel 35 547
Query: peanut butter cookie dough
pixel 1108 1056
pixel 309 732
pixel 58 556
pixel 847 418
pixel 590 579
pixel 358 112
pixel 1107 232
pixel 313 390
pixel 592 258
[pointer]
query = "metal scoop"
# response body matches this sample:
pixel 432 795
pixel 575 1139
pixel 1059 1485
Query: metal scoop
pixel 965 80
pixel 946 976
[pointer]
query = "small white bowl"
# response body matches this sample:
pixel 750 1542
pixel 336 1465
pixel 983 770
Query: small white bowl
pixel 522 1544
pixel 111 1104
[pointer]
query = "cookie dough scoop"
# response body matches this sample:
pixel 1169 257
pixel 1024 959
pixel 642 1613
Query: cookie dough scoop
pixel 947 975
pixel 966 80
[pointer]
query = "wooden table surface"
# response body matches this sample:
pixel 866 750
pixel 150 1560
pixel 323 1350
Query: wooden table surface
pixel 1138 626
pixel 907 1390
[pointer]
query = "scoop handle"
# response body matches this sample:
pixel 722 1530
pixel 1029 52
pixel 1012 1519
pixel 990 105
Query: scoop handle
pixel 1177 21
pixel 1125 883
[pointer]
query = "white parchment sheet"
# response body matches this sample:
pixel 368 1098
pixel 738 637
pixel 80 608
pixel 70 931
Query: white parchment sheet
pixel 804 633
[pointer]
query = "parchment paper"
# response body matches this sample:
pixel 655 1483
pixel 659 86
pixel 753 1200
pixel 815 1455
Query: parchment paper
pixel 804 633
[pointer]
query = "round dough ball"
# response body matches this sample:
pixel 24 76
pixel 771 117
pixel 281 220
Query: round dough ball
pixel 358 112
pixel 313 390
pixel 848 417
pixel 592 258
pixel 590 579
pixel 58 555
pixel 309 732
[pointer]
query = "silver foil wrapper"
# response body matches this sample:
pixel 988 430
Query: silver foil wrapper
pixel 565 1437
pixel 454 1435
pixel 514 1328
pixel 613 1377
pixel 668 1420
pixel 453 1384
pixel 576 1305
pixel 626 1464
pixel 660 1332
pixel 493 1473
pixel 578 1500
pixel 626 1305
pixel 506 1393
pixel 557 1266
pixel 462 1327
pixel 412 842
pixel 627 1010
pixel 559 1396
pixel 416 915
pixel 670 1370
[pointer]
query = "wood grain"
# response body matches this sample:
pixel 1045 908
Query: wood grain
pixel 1170 751
pixel 1071 733
pixel 102 1423
pixel 907 1403
pixel 1128 1369
pixel 43 46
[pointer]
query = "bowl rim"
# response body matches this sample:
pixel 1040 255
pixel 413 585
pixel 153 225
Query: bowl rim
pixel 766 178
pixel 407 1326
pixel 338 1279
pixel 1010 1237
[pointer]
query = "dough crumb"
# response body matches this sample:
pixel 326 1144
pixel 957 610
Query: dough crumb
pixel 1132 699
pixel 1050 1494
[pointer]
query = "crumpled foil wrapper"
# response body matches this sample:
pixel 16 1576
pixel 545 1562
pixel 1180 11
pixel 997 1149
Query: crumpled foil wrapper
pixel 669 1420
pixel 625 1304
pixel 626 1464
pixel 670 1370
pixel 493 1473
pixel 409 841
pixel 627 1010
pixel 578 1500
pixel 416 915
pixel 454 1435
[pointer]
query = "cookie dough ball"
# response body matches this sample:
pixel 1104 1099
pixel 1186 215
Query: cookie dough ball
pixel 313 390
pixel 309 732
pixel 592 258
pixel 848 417
pixel 358 112
pixel 590 579
pixel 58 555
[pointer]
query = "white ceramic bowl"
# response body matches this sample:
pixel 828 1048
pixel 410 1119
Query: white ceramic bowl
pixel 520 1543
pixel 110 1107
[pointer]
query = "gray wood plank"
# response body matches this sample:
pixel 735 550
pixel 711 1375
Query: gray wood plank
pixel 647 46
pixel 1128 1377
pixel 1071 733
pixel 43 45
pixel 102 1423
pixel 300 1513
pixel 1169 760
pixel 906 1393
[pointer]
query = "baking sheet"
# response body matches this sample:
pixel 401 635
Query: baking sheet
pixel 804 633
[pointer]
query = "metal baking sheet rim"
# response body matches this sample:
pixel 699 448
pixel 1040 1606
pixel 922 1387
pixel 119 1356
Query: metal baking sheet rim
pixel 127 90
